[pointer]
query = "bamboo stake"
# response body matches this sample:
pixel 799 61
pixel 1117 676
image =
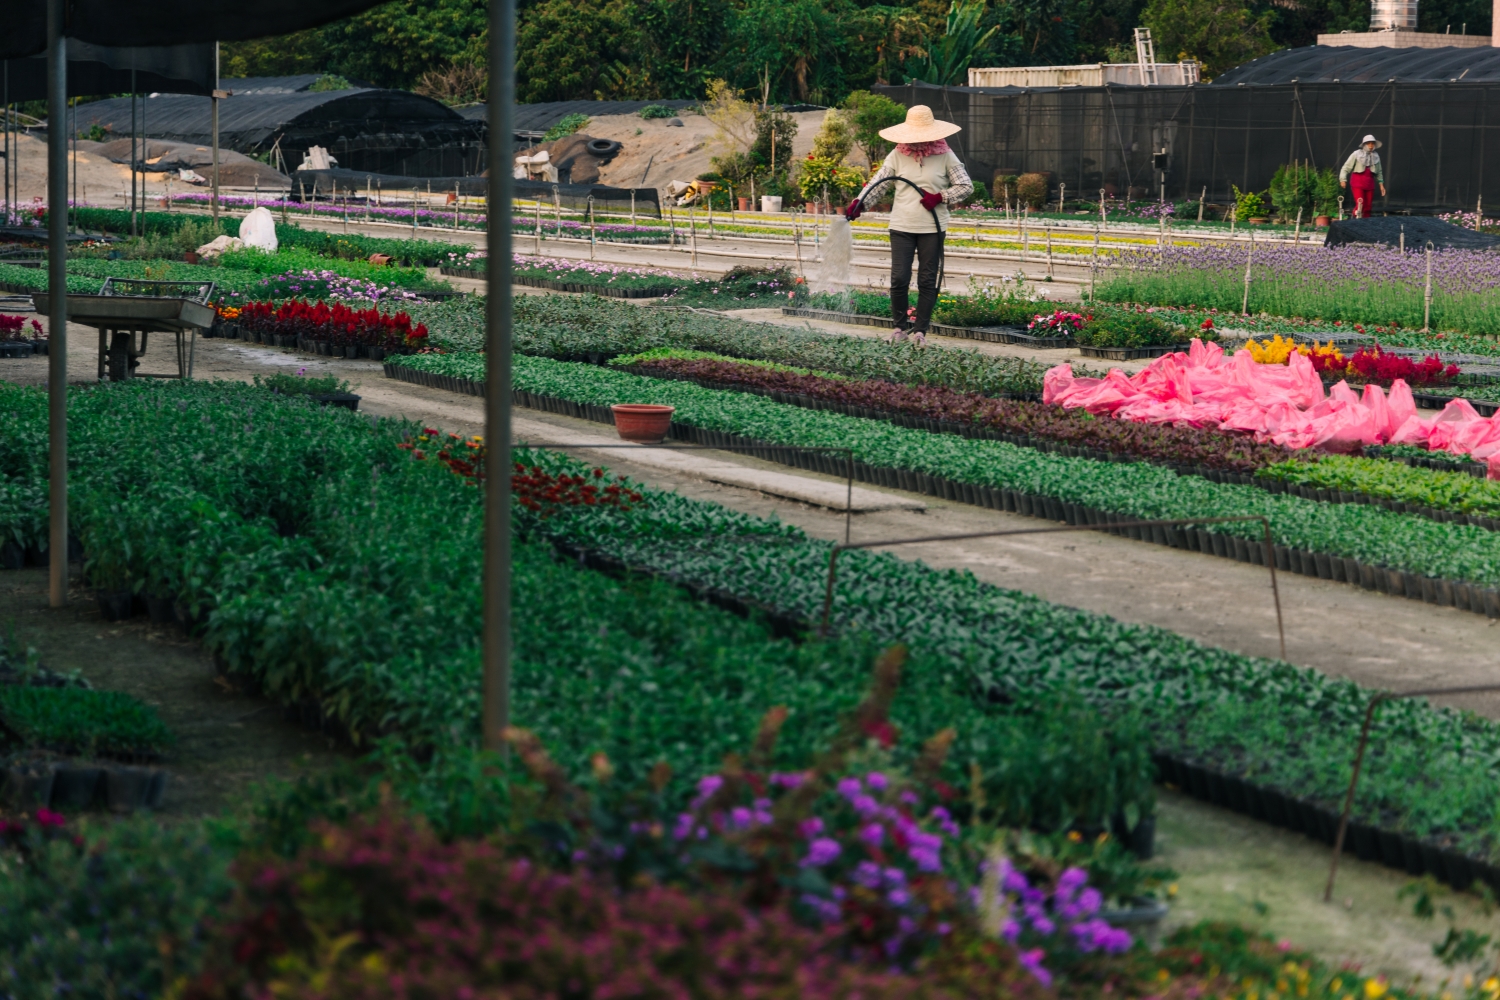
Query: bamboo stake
pixel 1245 305
pixel 1297 232
pixel 1427 294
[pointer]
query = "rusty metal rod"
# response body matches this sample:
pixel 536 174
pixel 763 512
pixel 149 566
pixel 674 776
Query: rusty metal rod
pixel 1359 759
pixel 1270 555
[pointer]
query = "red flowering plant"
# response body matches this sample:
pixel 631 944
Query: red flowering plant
pixel 1057 323
pixel 537 491
pixel 1371 364
pixel 14 328
pixel 336 323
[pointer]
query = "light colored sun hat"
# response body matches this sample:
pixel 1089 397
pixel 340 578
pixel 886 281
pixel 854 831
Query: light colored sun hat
pixel 920 126
pixel 1371 138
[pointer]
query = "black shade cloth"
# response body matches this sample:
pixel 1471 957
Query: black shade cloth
pixel 1351 64
pixel 163 22
pixel 576 196
pixel 366 131
pixel 1419 231
pixel 101 69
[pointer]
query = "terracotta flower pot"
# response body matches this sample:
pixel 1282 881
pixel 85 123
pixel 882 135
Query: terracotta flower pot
pixel 1259 220
pixel 1323 221
pixel 380 259
pixel 744 204
pixel 643 423
pixel 192 257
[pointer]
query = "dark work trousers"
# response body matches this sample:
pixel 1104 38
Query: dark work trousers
pixel 929 246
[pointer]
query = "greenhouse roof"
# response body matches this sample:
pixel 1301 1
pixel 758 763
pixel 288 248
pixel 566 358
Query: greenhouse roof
pixel 247 119
pixel 1349 64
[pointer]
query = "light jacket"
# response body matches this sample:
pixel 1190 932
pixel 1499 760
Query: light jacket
pixel 943 173
pixel 1359 161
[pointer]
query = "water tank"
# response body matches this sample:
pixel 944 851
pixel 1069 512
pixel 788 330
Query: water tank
pixel 1389 15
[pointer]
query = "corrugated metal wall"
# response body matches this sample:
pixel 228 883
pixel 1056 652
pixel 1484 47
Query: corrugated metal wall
pixel 1442 140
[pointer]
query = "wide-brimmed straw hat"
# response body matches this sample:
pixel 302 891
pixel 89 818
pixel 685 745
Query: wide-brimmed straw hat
pixel 919 126
pixel 1371 138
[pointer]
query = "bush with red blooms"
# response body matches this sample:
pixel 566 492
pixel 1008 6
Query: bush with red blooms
pixel 381 908
pixel 14 328
pixel 539 491
pixel 337 324
pixel 1371 364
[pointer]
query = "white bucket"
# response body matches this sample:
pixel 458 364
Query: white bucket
pixel 770 203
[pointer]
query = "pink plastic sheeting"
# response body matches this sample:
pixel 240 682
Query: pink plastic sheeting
pixel 1284 404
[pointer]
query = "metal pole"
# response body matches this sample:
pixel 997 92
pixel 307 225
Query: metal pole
pixel 455 206
pixel 214 108
pixel 497 376
pixel 414 212
pixel 1093 263
pixel 537 235
pixel 132 152
pixel 57 306
pixel 591 228
pixel 8 157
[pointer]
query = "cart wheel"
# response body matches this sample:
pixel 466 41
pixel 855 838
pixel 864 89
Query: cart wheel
pixel 119 357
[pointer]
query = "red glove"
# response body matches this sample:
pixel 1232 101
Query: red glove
pixel 853 211
pixel 931 200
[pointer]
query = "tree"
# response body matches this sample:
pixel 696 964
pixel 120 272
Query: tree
pixel 788 50
pixel 946 62
pixel 1220 34
pixel 871 113
pixel 568 45
pixel 392 45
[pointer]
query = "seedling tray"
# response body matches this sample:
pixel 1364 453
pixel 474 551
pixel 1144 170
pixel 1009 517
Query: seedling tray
pixel 833 316
pixel 1128 353
pixel 1433 401
pixel 645 292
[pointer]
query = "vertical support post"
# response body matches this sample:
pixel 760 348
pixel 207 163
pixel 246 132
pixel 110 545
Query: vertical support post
pixel 414 212
pixel 1250 256
pixel 1103 219
pixel 456 204
pixel 1049 251
pixel 632 206
pixel 1094 263
pixel 1201 195
pixel 133 139
pixel 57 303
pixel 537 234
pixel 1427 294
pixel 368 192
pixel 214 114
pixel 496 642
pixel 8 157
pixel 590 207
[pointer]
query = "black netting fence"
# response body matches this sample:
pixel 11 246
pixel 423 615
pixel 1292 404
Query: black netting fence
pixel 1441 152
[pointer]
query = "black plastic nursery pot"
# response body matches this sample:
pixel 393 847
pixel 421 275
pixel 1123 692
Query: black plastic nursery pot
pixel 115 605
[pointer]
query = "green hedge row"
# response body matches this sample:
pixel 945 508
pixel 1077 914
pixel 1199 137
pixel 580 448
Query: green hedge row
pixel 1370 534
pixel 589 327
pixel 333 570
pixel 1428 772
pixel 347 246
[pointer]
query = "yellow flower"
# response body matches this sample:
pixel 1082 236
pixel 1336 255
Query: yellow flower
pixel 1335 986
pixel 1492 985
pixel 1375 989
pixel 1273 352
pixel 1162 975
pixel 1172 891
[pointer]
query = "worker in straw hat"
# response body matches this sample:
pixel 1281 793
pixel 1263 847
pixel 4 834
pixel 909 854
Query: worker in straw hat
pixel 1363 170
pixel 928 178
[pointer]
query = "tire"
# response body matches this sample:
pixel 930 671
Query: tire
pixel 602 147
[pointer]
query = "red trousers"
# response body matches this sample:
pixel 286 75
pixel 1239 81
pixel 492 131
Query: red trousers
pixel 1362 185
